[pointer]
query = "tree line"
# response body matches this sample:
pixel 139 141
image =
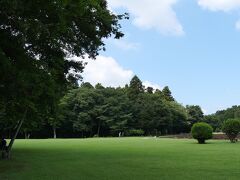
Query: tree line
pixel 133 110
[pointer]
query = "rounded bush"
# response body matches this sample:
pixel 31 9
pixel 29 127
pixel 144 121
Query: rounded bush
pixel 231 128
pixel 202 131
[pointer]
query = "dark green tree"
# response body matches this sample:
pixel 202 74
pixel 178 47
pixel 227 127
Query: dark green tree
pixel 167 94
pixel 232 128
pixel 99 86
pixel 149 90
pixel 195 114
pixel 135 87
pixel 38 39
pixel 87 85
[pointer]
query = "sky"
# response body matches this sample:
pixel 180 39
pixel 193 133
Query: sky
pixel 192 46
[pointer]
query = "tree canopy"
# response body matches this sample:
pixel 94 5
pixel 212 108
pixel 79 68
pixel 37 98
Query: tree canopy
pixel 38 41
pixel 89 111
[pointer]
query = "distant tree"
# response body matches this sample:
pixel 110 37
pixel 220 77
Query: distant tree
pixel 96 111
pixel 82 123
pixel 117 110
pixel 158 91
pixel 135 87
pixel 167 94
pixel 232 128
pixel 177 116
pixel 99 86
pixel 150 90
pixel 195 114
pixel 87 85
pixel 213 121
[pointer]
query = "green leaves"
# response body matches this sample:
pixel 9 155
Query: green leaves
pixel 202 131
pixel 108 111
pixel 231 127
pixel 38 39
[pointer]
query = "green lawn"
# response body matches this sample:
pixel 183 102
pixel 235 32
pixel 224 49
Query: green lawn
pixel 121 158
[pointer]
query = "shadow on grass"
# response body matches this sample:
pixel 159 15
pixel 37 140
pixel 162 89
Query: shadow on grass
pixel 212 142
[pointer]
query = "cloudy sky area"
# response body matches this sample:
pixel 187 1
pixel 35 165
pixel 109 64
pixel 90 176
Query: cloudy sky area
pixel 193 46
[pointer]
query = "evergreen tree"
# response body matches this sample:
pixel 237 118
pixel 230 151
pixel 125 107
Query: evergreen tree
pixel 167 94
pixel 135 87
pixel 195 114
pixel 149 90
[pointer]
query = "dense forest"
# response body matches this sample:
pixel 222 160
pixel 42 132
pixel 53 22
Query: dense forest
pixel 134 110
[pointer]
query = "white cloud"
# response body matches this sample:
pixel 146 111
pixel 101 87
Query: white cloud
pixel 237 25
pixel 204 111
pixel 220 5
pixel 152 14
pixel 125 45
pixel 150 84
pixel 107 71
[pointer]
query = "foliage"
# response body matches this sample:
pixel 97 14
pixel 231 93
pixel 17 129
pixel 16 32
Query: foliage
pixel 135 87
pixel 108 111
pixel 201 131
pixel 135 132
pixel 195 114
pixel 38 41
pixel 167 94
pixel 217 119
pixel 213 121
pixel 231 127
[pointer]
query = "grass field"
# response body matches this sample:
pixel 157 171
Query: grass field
pixel 121 158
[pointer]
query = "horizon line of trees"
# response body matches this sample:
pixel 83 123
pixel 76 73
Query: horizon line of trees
pixel 133 110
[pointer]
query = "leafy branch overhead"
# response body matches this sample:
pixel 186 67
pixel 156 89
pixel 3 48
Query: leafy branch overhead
pixel 38 41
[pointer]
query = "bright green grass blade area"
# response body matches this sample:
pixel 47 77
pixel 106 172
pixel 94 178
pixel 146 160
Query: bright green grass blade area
pixel 121 158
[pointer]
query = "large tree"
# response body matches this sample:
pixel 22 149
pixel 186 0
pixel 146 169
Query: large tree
pixel 195 114
pixel 38 39
pixel 167 94
pixel 135 87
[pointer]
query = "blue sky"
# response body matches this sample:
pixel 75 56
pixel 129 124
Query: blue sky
pixel 192 46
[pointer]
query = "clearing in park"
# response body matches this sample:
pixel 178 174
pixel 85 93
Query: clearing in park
pixel 122 159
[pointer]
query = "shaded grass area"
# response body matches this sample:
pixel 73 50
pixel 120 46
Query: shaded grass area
pixel 121 158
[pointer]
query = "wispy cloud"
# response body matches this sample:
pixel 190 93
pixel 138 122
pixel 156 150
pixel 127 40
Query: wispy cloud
pixel 152 14
pixel 105 70
pixel 221 5
pixel 153 85
pixel 124 44
pixel 237 25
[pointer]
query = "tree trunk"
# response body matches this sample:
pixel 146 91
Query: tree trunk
pixel 201 141
pixel 54 132
pixel 19 125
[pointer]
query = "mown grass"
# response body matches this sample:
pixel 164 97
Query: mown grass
pixel 121 159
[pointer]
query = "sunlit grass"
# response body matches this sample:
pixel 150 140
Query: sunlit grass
pixel 121 158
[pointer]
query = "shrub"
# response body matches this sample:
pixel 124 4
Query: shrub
pixel 231 127
pixel 135 132
pixel 201 131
